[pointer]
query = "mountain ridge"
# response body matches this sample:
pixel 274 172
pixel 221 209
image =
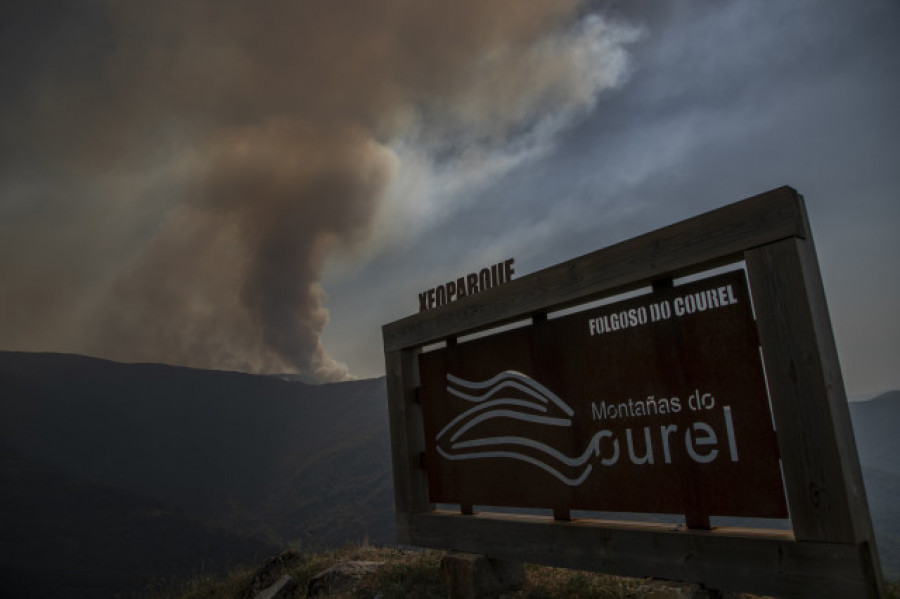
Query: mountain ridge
pixel 95 540
pixel 875 423
pixel 269 461
pixel 188 437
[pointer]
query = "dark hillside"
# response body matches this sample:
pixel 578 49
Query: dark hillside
pixel 883 491
pixel 876 423
pixel 254 453
pixel 64 536
pixel 116 473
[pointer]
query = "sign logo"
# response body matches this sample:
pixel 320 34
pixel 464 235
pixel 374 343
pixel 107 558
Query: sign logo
pixel 455 441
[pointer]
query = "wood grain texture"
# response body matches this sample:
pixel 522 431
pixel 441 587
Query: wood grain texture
pixel 705 241
pixel 743 560
pixel 407 438
pixel 820 509
pixel 822 474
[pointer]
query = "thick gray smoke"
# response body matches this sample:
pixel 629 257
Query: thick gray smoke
pixel 204 159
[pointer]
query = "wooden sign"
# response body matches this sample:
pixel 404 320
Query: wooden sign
pixel 657 404
pixel 608 440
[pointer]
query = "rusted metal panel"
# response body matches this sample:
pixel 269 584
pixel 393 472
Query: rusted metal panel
pixel 655 404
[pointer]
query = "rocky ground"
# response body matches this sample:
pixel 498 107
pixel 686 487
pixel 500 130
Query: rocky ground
pixel 367 572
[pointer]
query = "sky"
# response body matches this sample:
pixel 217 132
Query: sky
pixel 262 186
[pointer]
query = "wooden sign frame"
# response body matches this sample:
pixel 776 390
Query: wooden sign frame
pixel 830 551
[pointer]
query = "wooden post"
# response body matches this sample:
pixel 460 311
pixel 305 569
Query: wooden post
pixel 824 482
pixel 407 438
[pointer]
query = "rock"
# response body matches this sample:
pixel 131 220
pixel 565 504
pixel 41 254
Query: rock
pixel 472 576
pixel 282 589
pixel 270 572
pixel 343 578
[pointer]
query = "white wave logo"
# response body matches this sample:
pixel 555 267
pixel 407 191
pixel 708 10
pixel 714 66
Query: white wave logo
pixel 516 396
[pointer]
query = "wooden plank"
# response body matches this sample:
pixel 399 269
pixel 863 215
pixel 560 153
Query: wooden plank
pixel 399 448
pixel 819 505
pixel 407 438
pixel 705 241
pixel 756 561
pixel 823 478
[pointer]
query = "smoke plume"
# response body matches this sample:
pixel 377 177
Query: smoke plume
pixel 203 160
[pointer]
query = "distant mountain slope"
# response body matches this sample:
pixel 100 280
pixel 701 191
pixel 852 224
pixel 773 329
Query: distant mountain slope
pixel 883 491
pixel 876 423
pixel 63 536
pixel 170 454
pixel 255 453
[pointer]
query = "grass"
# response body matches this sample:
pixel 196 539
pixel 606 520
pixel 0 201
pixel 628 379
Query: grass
pixel 408 574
